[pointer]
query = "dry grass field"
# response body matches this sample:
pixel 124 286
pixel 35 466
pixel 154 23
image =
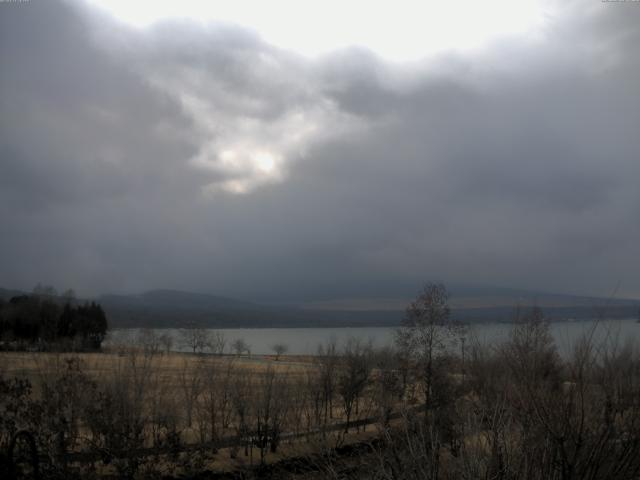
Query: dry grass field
pixel 223 412
pixel 514 410
pixel 34 365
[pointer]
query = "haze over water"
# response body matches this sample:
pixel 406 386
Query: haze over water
pixel 305 341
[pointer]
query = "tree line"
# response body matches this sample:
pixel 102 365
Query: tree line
pixel 44 319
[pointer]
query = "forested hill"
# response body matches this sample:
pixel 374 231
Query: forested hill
pixel 44 320
pixel 171 308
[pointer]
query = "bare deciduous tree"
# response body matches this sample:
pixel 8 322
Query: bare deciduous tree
pixel 149 340
pixel 426 330
pixel 215 405
pixel 327 362
pixel 190 381
pixel 270 399
pixel 279 349
pixel 218 342
pixel 240 346
pixel 166 341
pixel 196 339
pixel 241 399
pixel 353 377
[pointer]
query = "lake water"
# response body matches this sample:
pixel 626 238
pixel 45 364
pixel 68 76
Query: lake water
pixel 302 341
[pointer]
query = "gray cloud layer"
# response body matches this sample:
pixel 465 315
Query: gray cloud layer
pixel 199 157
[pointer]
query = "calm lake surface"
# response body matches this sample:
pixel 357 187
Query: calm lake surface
pixel 302 341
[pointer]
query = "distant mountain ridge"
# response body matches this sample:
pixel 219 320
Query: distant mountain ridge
pixel 474 298
pixel 175 308
pixel 177 299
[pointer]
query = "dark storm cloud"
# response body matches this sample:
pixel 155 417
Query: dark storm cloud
pixel 517 165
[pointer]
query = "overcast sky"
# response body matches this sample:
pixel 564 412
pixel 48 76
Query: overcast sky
pixel 320 152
